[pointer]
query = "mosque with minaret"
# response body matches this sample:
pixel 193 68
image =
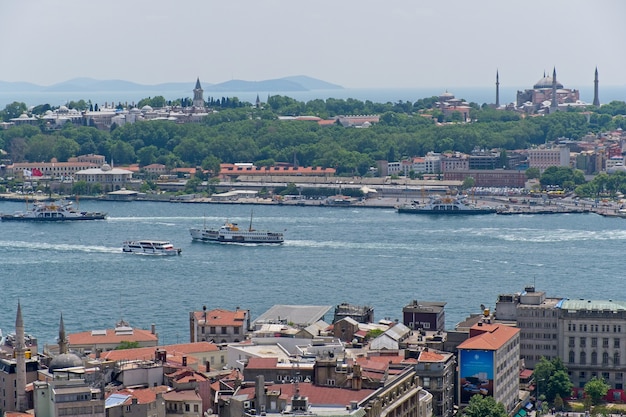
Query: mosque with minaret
pixel 548 95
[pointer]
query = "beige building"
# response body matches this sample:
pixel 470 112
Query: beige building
pixel 218 325
pixel 543 158
pixel 111 179
pixel 109 339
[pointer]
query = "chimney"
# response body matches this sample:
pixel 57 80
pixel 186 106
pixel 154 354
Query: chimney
pixel 153 328
pixel 184 361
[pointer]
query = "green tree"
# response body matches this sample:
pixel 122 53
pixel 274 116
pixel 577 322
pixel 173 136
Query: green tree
pixel 559 386
pixel 124 344
pixel 468 183
pixel 533 172
pixel 480 406
pixel 596 389
pixel 147 155
pixel 13 110
pixel 80 188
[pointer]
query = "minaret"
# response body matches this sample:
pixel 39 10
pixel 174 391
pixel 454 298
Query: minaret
pixel 20 358
pixel 198 100
pixel 596 99
pixel 497 90
pixel 554 105
pixel 62 338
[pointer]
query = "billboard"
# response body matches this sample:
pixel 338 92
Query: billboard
pixel 476 373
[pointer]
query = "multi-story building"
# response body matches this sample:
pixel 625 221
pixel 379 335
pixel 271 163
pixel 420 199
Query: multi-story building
pixel 427 315
pixel 436 372
pixel 67 393
pixel 489 364
pixel 219 325
pixel 454 162
pixel 543 158
pixel 538 320
pixel 489 177
pixel 593 341
pixel 589 336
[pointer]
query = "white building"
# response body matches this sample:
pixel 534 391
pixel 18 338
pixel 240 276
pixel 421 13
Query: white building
pixel 543 158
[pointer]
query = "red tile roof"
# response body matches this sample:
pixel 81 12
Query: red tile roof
pixel 488 336
pixel 318 396
pixel 220 317
pixel 262 363
pixel 143 395
pixel 183 395
pixel 110 337
pixel 172 351
pixel 429 356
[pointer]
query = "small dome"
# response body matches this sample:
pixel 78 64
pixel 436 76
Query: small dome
pixel 63 109
pixel 106 167
pixel 146 108
pixel 65 360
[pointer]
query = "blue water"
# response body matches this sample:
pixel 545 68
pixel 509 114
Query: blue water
pixel 332 255
pixel 478 95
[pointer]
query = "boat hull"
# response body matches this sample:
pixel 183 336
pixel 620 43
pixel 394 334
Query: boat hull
pixel 470 212
pixel 14 218
pixel 209 235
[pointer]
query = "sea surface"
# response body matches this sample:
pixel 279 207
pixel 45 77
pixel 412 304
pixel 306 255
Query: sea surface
pixel 362 256
pixel 478 95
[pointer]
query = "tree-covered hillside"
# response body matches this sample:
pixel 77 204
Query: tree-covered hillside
pixel 240 132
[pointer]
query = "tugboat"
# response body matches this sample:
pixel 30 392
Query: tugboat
pixel 53 212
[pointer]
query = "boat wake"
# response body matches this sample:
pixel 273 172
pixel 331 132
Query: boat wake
pixel 59 247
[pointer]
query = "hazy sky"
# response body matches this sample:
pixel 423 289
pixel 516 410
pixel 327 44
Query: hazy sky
pixel 354 43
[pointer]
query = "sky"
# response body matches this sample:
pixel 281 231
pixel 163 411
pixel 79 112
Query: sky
pixel 353 43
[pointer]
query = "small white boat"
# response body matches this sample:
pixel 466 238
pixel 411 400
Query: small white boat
pixel 150 247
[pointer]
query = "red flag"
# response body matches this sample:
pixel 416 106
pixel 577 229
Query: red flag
pixel 37 173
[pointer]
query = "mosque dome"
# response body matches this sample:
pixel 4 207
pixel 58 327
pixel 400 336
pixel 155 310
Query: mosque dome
pixel 146 108
pixel 106 167
pixel 65 360
pixel 546 82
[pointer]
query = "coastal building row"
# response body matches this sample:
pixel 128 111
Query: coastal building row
pixel 293 346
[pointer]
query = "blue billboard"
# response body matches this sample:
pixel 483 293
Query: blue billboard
pixel 476 373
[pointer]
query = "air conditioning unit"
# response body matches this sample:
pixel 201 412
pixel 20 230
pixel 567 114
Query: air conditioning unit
pixel 246 405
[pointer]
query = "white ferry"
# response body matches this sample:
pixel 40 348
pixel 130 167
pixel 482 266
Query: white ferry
pixel 445 206
pixel 231 233
pixel 53 212
pixel 150 247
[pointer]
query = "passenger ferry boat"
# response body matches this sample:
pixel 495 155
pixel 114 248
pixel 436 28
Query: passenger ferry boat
pixel 445 206
pixel 150 247
pixel 231 233
pixel 53 212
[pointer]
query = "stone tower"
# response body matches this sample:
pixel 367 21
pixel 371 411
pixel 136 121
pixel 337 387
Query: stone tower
pixel 596 98
pixel 554 105
pixel 62 337
pixel 497 89
pixel 20 358
pixel 198 99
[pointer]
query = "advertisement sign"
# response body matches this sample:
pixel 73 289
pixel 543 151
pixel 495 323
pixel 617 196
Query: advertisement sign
pixel 476 373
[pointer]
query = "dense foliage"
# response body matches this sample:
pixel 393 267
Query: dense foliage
pixel 480 406
pixel 240 132
pixel 552 379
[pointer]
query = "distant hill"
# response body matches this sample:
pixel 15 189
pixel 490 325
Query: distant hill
pixel 86 85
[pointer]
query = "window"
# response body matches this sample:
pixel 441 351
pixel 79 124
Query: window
pixel 212 330
pixel 605 342
pixel 583 358
pixel 583 342
pixel 605 358
pixel 187 408
pixel 195 408
pixel 594 358
pixel 224 330
pixel 616 343
pixel 616 359
pixel 572 356
pixel 426 381
pixel 202 328
pixel 605 376
pixel 594 342
pixel 571 342
pixel 236 330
